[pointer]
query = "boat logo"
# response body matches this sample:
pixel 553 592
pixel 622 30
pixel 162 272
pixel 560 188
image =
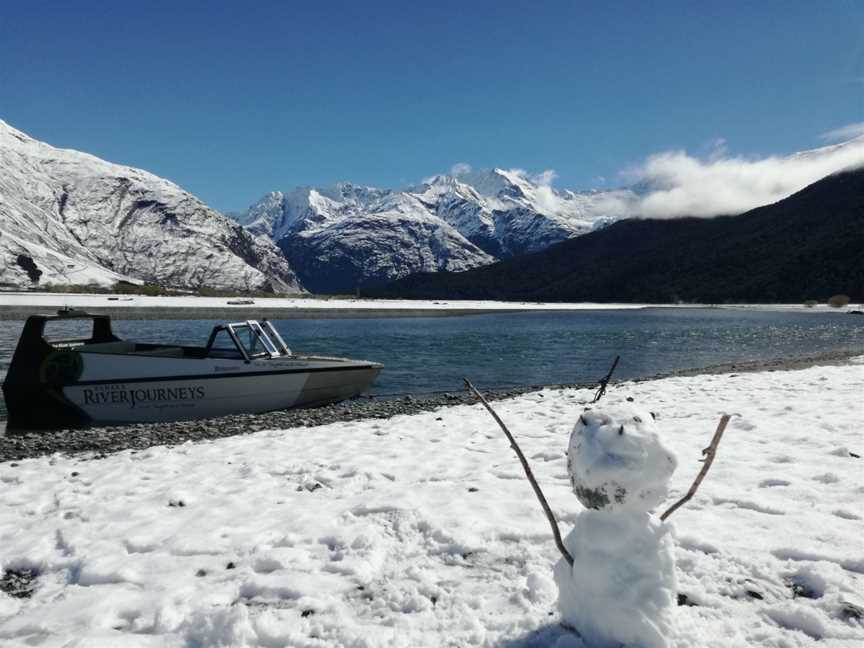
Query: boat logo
pixel 121 394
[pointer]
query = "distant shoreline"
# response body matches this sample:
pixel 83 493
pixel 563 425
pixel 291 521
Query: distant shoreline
pixel 19 305
pixel 9 313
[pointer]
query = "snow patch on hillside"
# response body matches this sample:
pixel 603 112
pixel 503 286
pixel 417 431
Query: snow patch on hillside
pixel 67 217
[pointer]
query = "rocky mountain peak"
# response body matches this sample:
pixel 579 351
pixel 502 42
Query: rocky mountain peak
pixel 347 235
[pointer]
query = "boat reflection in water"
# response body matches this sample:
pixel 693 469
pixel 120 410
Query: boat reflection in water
pixel 245 367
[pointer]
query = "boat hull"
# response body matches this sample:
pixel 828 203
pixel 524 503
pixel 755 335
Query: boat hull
pixel 215 395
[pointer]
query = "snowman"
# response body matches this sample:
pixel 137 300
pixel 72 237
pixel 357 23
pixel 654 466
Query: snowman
pixel 621 588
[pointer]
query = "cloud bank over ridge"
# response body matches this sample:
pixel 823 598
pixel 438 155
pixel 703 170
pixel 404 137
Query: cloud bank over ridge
pixel 675 184
pixel 847 132
pixel 679 184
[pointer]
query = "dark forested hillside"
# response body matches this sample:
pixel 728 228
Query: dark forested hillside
pixel 808 246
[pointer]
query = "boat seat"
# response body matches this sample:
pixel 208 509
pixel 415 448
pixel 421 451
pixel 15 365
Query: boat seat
pixel 130 348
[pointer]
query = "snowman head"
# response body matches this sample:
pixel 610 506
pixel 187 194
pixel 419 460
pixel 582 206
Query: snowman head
pixel 616 460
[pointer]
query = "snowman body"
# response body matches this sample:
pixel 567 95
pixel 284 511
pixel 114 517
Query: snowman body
pixel 621 588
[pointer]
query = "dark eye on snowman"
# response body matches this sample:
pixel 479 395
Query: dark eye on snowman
pixel 637 419
pixel 653 416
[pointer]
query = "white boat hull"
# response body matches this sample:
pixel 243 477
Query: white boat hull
pixel 185 399
pixel 156 389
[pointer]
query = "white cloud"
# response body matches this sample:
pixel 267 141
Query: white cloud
pixel 545 197
pixel 844 133
pixel 717 148
pixel 674 184
pixel 545 179
pixel 682 185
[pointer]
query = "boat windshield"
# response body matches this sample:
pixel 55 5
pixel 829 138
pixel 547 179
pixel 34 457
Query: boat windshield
pixel 222 345
pixel 249 339
pixel 254 342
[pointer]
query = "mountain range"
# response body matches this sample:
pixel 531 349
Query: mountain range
pixel 340 237
pixel 807 246
pixel 67 217
pixel 346 236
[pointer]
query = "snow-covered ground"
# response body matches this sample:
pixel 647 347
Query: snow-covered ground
pixel 58 300
pixel 422 531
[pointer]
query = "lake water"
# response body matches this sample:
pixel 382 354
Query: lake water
pixel 432 354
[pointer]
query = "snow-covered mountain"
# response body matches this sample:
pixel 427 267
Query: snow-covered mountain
pixel 346 235
pixel 67 217
pixel 343 236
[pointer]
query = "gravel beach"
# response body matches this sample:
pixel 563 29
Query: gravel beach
pixel 101 441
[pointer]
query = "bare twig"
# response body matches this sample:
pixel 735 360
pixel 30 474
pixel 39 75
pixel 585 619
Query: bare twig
pixel 539 493
pixel 709 454
pixel 605 381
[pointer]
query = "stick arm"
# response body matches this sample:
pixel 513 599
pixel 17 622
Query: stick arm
pixel 556 533
pixel 709 453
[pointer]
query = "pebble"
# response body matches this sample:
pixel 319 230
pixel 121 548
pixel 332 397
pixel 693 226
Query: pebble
pixel 98 442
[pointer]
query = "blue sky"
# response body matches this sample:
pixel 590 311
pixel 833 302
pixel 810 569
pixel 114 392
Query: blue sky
pixel 231 100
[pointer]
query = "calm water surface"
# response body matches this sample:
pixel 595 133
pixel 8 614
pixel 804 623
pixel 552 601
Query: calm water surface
pixel 430 354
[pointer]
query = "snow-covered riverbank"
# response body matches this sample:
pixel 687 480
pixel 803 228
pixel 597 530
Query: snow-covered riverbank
pixel 421 531
pixel 16 305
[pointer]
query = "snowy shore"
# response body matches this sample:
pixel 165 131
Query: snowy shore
pixel 421 531
pixel 17 305
pixel 16 445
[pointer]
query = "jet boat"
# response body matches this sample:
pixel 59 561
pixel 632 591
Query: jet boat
pixel 245 367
